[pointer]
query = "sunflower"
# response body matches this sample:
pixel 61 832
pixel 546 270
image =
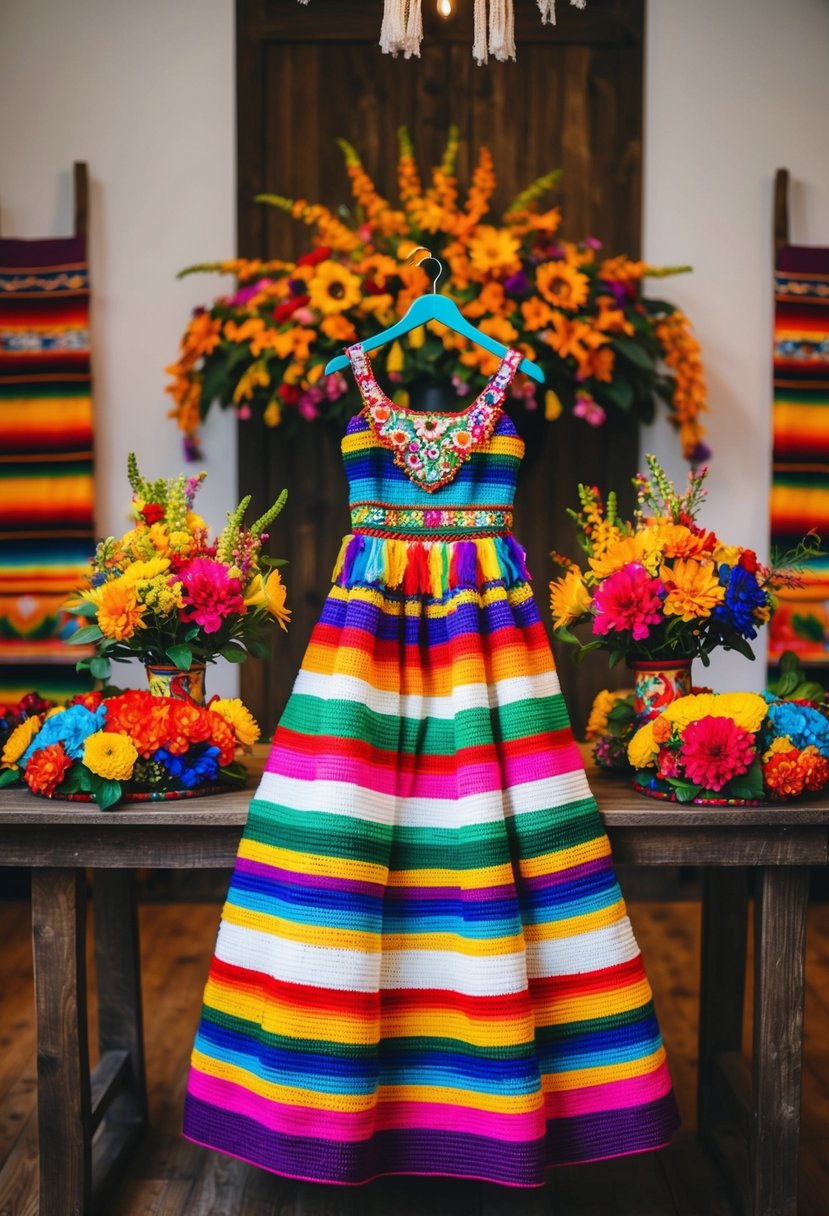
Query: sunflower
pixel 562 286
pixel 333 289
pixel 569 598
pixel 494 250
pixel 18 741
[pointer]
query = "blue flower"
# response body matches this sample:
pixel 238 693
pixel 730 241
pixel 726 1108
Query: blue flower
pixel 71 727
pixel 199 766
pixel 806 727
pixel 742 597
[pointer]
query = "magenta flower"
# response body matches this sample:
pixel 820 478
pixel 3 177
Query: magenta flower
pixel 210 594
pixel 714 750
pixel 629 599
pixel 589 410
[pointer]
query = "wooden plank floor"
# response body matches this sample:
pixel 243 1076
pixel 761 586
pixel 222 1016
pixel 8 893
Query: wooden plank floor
pixel 170 1177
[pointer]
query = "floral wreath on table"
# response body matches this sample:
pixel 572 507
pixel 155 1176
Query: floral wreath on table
pixel 102 748
pixel 602 344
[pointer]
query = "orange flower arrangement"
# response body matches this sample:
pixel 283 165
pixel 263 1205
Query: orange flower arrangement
pixel 602 345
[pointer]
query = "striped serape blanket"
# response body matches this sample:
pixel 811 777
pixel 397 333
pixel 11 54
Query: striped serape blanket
pixel 46 482
pixel 800 469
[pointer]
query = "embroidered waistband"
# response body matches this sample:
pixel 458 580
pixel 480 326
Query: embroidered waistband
pixel 429 522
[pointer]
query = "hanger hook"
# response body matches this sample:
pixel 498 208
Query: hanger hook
pixel 430 257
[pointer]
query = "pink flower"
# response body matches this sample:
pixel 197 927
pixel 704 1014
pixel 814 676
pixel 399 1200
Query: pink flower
pixel 714 750
pixel 629 599
pixel 210 594
pixel 667 763
pixel 589 410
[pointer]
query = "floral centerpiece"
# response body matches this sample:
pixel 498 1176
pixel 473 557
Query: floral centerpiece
pixel 603 344
pixel 168 594
pixel 127 745
pixel 660 588
pixel 731 748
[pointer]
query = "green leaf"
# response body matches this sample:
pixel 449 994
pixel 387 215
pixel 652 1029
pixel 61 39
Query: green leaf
pixel 258 649
pixel 105 791
pixel 181 654
pixel 264 560
pixel 620 392
pixel 565 635
pixel 616 656
pixel 192 633
pixel 633 352
pixel 99 667
pixel 234 774
pixel 9 776
pixel 685 790
pixel 83 608
pixel 809 690
pixel 71 783
pixel 86 633
pixel 233 653
pixel 750 784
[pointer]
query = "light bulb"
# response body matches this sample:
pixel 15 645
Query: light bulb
pixel 444 8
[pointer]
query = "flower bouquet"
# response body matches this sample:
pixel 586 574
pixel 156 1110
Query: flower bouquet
pixel 167 594
pixel 603 345
pixel 732 748
pixel 128 745
pixel 661 588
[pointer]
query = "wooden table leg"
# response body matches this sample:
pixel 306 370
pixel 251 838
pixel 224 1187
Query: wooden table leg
pixel 119 1089
pixel 780 943
pixel 63 1091
pixel 722 982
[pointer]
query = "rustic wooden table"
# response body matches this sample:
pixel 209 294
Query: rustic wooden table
pixel 749 1119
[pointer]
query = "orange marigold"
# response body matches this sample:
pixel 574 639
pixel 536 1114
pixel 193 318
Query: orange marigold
pixel 223 736
pixel 188 724
pixel 46 769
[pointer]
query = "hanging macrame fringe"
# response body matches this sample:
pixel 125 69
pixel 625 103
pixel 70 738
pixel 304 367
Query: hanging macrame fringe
pixel 499 39
pixel 547 8
pixel 402 28
pixel 494 31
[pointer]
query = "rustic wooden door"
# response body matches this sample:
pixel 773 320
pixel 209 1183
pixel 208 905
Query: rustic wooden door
pixel 572 101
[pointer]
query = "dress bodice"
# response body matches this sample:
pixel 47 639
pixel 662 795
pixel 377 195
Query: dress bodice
pixel 436 476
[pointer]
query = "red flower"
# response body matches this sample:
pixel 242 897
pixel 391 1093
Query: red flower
pixel 815 768
pixel 152 513
pixel 282 312
pixel 748 560
pixel 783 775
pixel 714 750
pixel 89 700
pixel 289 393
pixel 45 769
pixel 316 255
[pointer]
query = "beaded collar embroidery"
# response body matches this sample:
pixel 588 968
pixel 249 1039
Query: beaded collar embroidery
pixel 431 447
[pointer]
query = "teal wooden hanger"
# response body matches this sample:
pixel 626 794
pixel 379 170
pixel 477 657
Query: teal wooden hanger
pixel 434 307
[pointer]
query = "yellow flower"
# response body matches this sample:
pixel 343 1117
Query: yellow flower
pixel 275 593
pixel 240 718
pixel 562 286
pixel 642 547
pixel 334 289
pixel 694 589
pixel 119 612
pixel 602 705
pixel 643 747
pixel 675 540
pixel 394 362
pixel 139 571
pixel 110 754
pixel 493 250
pixel 256 376
pixel 781 744
pixel 729 554
pixel 552 406
pixel 569 598
pixel 18 741
pixel 747 709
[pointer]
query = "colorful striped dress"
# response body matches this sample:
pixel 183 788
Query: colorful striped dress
pixel 424 964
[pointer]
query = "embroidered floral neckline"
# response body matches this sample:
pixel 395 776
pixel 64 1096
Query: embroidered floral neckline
pixel 430 447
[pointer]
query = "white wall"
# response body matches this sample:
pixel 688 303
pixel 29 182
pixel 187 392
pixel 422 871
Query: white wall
pixel 734 90
pixel 145 93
